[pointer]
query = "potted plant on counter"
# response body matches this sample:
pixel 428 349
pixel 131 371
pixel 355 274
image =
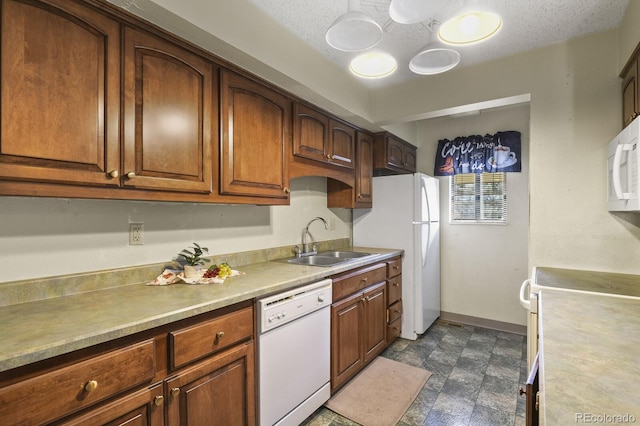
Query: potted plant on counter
pixel 193 258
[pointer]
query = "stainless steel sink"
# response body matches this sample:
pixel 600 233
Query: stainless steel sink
pixel 327 258
pixel 343 254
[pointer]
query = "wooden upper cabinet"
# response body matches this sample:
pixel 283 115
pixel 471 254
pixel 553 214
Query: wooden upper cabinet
pixel 342 149
pixel 168 115
pixel 393 155
pixel 311 133
pixel 630 93
pixel 321 138
pixel 255 129
pixel 364 171
pixel 60 93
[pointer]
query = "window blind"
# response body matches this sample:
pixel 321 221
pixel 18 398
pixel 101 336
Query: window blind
pixel 479 198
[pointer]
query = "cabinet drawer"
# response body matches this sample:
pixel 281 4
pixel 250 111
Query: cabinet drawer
pixel 394 289
pixel 393 330
pixel 394 312
pixel 58 393
pixel 195 342
pixel 351 282
pixel 394 267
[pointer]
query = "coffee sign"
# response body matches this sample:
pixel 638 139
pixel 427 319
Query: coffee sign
pixel 479 154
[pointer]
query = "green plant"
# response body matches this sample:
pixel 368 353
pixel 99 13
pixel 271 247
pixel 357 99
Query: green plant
pixel 194 257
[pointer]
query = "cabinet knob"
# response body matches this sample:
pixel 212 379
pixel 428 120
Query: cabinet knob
pixel 521 391
pixel 396 267
pixel 113 174
pixel 395 284
pixel 359 196
pixel 328 157
pixel 158 400
pixel 287 190
pixel 219 335
pixel 365 279
pixel 175 391
pixel 131 175
pixel 90 386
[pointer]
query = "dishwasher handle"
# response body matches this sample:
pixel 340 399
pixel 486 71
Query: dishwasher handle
pixel 525 294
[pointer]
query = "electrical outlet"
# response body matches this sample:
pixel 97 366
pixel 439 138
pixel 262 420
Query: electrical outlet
pixel 136 234
pixel 332 224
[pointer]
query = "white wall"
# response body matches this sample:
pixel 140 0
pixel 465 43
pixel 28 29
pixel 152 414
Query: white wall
pixel 575 110
pixel 42 237
pixel 482 266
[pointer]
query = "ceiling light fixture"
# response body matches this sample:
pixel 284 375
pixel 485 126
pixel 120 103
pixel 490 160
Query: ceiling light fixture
pixel 354 31
pixel 375 64
pixel 471 24
pixel 412 11
pixel 434 58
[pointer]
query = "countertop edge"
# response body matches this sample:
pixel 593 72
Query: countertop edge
pixel 300 275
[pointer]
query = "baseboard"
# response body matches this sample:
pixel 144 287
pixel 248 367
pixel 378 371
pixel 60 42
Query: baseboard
pixel 482 322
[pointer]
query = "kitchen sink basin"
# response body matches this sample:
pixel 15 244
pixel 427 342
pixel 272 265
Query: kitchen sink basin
pixel 343 254
pixel 327 258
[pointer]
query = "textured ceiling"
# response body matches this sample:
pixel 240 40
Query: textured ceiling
pixel 528 24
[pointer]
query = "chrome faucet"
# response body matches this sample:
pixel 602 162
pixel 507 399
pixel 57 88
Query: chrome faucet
pixel 304 251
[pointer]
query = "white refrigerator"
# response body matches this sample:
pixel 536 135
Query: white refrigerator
pixel 406 215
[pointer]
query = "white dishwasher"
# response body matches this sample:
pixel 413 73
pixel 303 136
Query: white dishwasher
pixel 294 353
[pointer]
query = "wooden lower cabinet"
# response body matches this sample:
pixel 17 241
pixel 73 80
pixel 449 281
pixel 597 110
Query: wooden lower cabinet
pixel 358 325
pixel 366 317
pixel 218 391
pixel 134 381
pixel 141 408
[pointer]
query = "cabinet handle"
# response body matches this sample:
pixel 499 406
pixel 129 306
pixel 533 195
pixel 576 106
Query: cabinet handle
pixel 175 391
pixel 90 386
pixel 219 335
pixel 158 400
pixel 286 190
pixel 113 174
pixel 131 175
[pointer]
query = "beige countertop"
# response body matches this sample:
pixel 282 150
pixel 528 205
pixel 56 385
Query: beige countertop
pixel 589 281
pixel 36 330
pixel 589 358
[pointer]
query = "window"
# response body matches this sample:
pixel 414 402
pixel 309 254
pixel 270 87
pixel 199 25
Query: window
pixel 479 198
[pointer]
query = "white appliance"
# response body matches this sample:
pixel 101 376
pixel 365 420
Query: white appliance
pixel 294 357
pixel 622 169
pixel 406 215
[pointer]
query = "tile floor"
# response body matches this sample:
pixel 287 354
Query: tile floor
pixel 475 380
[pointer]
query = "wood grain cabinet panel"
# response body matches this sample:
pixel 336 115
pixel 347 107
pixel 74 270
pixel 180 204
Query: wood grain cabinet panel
pixel 256 127
pixel 60 93
pixel 321 138
pixel 347 336
pixel 168 113
pixel 375 318
pixel 141 408
pixel 64 391
pixel 218 391
pixel 200 340
pixel 393 155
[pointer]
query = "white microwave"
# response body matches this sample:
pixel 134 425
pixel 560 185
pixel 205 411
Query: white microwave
pixel 622 169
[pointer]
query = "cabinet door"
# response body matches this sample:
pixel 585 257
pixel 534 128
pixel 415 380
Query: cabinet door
pixel 256 128
pixel 395 153
pixel 342 146
pixel 410 157
pixel 311 133
pixel 364 171
pixel 141 408
pixel 347 334
pixel 168 113
pixel 218 391
pixel 375 319
pixel 630 94
pixel 60 93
